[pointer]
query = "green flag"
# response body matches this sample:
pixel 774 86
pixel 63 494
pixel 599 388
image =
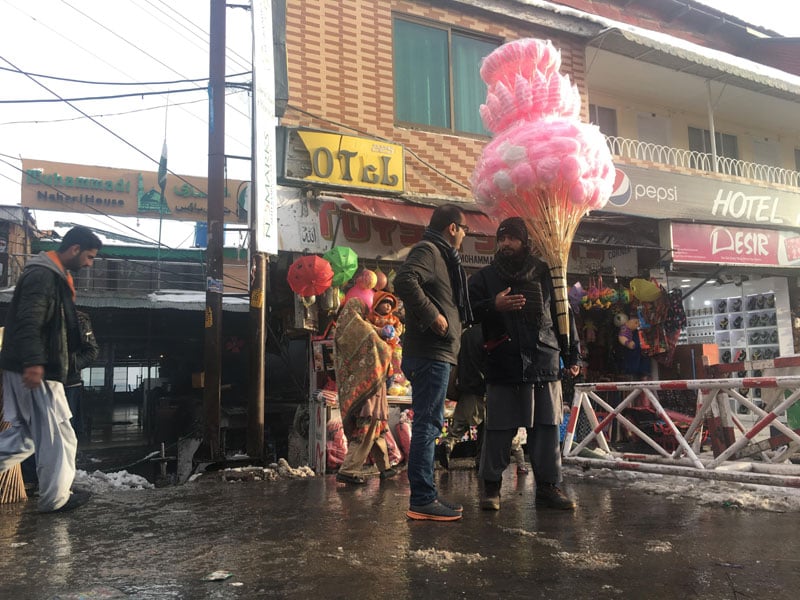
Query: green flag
pixel 162 167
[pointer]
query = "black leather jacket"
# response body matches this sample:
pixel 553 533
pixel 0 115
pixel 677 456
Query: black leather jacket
pixel 521 346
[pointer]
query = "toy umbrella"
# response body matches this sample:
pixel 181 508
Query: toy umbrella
pixel 543 164
pixel 344 263
pixel 310 275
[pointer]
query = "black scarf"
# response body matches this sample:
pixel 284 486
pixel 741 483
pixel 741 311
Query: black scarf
pixel 458 278
pixel 522 275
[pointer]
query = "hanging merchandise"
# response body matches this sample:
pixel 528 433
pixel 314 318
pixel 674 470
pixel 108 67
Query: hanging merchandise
pixel 344 262
pixel 644 290
pixel 382 280
pixel 309 275
pixel 367 279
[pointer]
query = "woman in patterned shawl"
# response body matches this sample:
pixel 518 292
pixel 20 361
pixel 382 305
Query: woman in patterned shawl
pixel 362 361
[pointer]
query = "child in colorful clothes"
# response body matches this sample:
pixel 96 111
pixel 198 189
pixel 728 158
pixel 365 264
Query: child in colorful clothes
pixel 384 319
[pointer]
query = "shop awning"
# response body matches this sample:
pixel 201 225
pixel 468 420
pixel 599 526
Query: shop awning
pixel 412 214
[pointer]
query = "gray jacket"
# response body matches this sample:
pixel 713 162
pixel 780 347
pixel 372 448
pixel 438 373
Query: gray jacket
pixel 423 284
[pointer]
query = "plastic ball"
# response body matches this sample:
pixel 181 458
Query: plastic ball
pixel 387 332
pixel 367 279
pixel 382 279
pixel 364 294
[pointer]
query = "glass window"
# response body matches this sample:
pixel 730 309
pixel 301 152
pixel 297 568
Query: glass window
pixel 604 118
pixel 700 141
pixel 437 77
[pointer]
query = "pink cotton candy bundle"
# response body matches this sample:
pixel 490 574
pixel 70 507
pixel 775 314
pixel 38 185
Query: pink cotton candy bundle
pixel 565 159
pixel 524 85
pixel 520 57
pixel 543 164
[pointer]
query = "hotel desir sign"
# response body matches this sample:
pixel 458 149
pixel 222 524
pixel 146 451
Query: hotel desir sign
pixel 120 192
pixel 335 160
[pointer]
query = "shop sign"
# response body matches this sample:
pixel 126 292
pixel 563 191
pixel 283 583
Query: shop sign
pixel 662 195
pixel 87 189
pixel 341 161
pixel 585 259
pixel 264 216
pixel 316 225
pixel 743 246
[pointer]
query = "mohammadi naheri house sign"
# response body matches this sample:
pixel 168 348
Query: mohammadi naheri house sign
pixel 124 193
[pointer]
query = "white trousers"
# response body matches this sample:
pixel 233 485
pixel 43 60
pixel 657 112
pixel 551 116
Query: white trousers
pixel 40 423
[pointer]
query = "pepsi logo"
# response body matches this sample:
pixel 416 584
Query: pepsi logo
pixel 621 193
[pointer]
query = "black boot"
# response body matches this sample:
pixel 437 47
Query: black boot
pixel 490 499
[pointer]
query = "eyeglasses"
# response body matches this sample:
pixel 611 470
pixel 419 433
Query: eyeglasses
pixel 464 228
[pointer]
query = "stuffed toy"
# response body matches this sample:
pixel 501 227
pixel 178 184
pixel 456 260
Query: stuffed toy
pixel 627 327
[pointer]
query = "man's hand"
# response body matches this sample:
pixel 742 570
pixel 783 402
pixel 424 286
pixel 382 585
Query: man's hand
pixel 575 370
pixel 440 325
pixel 32 376
pixel 505 301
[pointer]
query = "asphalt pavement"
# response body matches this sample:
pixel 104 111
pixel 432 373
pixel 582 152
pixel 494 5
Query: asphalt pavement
pixel 316 538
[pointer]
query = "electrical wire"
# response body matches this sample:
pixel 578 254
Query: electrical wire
pixel 117 114
pixel 121 83
pixel 110 97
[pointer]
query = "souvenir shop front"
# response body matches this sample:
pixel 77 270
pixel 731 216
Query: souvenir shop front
pixel 741 290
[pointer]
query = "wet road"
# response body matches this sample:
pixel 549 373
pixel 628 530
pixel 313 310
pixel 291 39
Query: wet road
pixel 315 538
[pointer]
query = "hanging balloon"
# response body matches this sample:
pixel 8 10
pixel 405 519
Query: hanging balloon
pixel 382 279
pixel 366 295
pixel 367 279
pixel 344 263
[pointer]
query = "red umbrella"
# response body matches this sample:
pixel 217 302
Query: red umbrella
pixel 310 275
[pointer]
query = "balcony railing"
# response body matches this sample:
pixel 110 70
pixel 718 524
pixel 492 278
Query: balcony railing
pixel 701 161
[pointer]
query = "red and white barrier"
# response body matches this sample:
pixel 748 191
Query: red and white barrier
pixel 713 398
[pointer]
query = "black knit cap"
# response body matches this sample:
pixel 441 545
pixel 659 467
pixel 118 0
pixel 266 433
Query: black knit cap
pixel 514 227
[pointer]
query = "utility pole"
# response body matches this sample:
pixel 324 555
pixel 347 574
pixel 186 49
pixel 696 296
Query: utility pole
pixel 216 214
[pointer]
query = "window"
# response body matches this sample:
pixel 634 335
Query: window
pixel 437 76
pixel 797 159
pixel 700 141
pixel 604 118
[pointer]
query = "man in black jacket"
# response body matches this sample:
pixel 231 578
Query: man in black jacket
pixel 513 300
pixel 433 287
pixel 40 334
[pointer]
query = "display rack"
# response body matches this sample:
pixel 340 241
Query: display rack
pixel 747 322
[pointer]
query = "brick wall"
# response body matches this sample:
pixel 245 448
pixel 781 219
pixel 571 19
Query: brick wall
pixel 340 79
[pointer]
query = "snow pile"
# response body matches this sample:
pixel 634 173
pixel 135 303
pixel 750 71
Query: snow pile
pixel 442 558
pixel 706 492
pixel 590 561
pixel 279 470
pixel 99 482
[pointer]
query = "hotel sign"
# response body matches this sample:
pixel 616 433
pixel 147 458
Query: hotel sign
pixel 124 193
pixel 662 195
pixel 335 160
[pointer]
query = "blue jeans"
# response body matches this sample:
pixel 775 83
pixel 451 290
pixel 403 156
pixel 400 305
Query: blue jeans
pixel 429 380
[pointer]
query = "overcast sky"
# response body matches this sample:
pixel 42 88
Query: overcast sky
pixel 142 42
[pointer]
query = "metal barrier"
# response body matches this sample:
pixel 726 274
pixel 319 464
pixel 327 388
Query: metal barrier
pixel 734 456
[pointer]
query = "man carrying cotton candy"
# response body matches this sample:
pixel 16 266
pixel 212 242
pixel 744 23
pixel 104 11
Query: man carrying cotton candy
pixel 512 298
